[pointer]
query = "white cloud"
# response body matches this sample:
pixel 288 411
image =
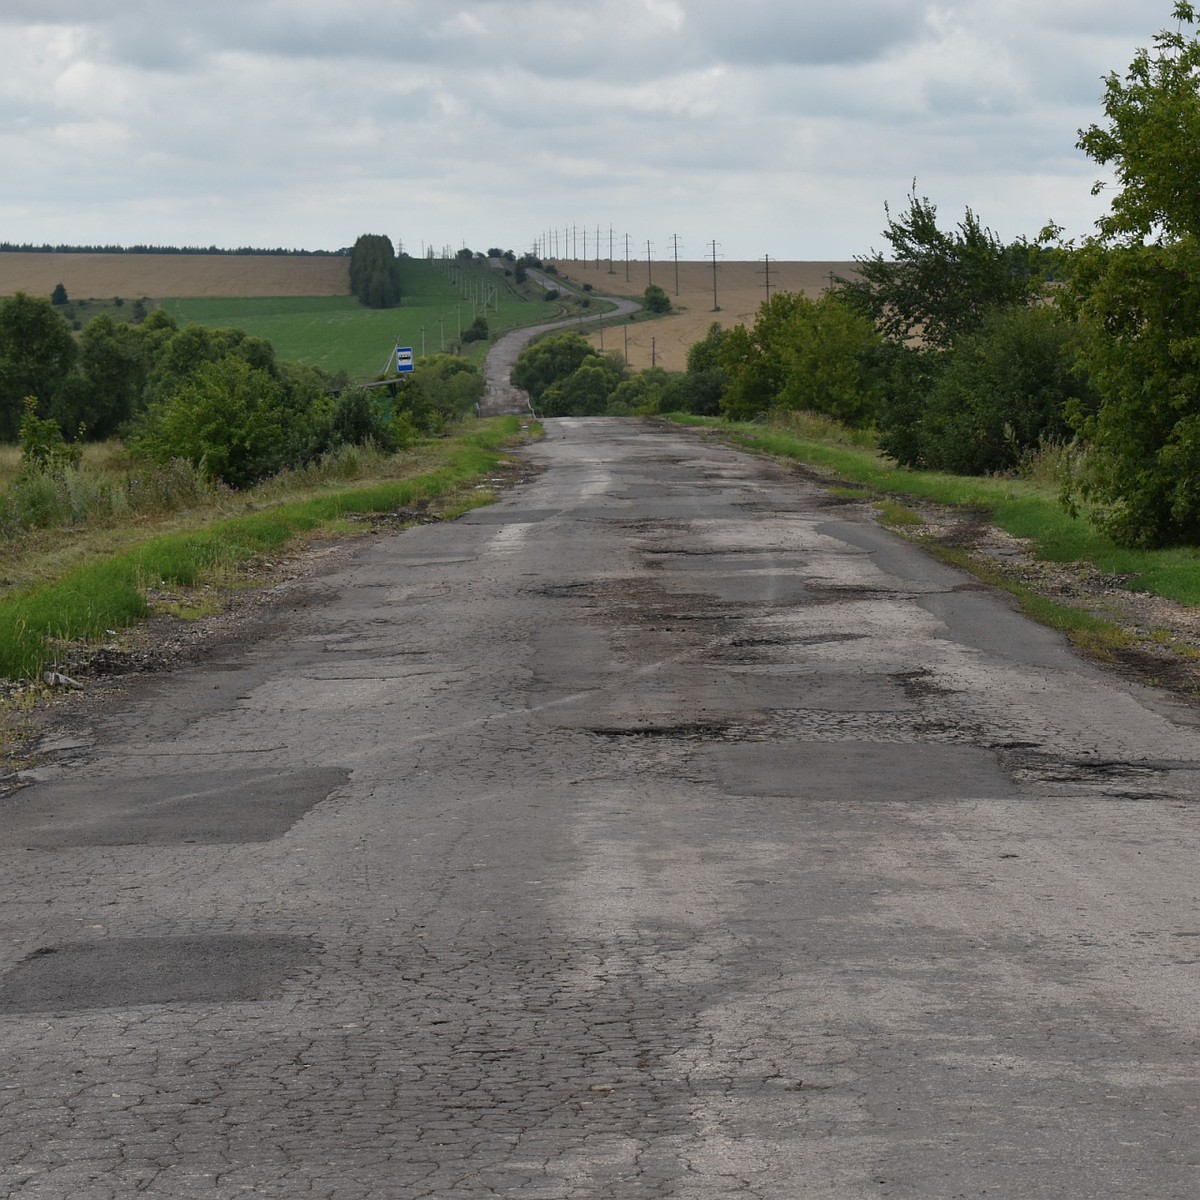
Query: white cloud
pixel 485 120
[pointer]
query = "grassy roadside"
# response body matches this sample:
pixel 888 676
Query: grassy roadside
pixel 107 589
pixel 1024 508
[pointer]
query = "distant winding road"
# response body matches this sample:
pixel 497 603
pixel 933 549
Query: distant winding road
pixel 501 396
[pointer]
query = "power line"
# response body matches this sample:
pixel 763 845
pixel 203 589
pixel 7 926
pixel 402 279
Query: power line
pixel 766 271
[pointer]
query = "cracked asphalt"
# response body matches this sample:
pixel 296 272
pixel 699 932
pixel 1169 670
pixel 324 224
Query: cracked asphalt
pixel 667 829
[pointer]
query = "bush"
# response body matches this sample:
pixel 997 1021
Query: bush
pixel 549 360
pixel 1001 393
pixel 800 353
pixel 477 331
pixel 43 449
pixel 656 300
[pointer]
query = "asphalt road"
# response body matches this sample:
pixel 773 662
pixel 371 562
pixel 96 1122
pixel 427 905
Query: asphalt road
pixel 500 395
pixel 665 830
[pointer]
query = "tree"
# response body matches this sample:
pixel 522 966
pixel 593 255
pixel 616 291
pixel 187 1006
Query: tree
pixel 59 295
pixel 107 389
pixel 1001 392
pixel 549 360
pixel 37 352
pixel 225 417
pixel 441 388
pixel 800 353
pixel 1135 287
pixel 937 284
pixel 656 300
pixel 375 271
pixel 586 391
pixel 829 361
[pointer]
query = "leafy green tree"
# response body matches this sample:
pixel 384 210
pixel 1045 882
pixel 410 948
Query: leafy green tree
pixel 549 360
pixel 37 353
pixel 1002 391
pixel 477 331
pixel 375 271
pixel 656 300
pixel 829 359
pixel 59 295
pixel 937 284
pixel 641 394
pixel 226 416
pixel 586 391
pixel 178 353
pixel 801 354
pixel 107 389
pixel 440 389
pixel 1135 287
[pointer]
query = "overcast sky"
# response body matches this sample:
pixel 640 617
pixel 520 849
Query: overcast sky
pixel 774 127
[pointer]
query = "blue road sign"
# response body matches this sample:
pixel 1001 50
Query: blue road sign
pixel 404 359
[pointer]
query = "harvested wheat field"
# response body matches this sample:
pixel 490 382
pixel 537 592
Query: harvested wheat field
pixel 100 276
pixel 741 288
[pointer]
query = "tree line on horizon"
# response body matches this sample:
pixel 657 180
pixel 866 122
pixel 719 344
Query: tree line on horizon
pixel 62 248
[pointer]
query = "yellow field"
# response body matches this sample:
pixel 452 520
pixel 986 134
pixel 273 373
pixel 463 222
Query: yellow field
pixel 741 288
pixel 101 276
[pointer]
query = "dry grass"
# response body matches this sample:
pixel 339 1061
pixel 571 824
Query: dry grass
pixel 99 276
pixel 741 288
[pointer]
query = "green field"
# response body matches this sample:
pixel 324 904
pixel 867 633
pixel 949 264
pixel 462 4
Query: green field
pixel 336 332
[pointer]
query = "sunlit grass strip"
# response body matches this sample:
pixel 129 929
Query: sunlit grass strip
pixel 110 594
pixel 1021 508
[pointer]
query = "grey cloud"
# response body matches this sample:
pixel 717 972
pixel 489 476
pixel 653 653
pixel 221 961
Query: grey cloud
pixel 768 32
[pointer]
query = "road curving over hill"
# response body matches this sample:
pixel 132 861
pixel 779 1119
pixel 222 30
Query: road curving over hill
pixel 501 396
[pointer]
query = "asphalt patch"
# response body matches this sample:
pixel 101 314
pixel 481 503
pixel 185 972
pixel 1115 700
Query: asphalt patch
pixel 859 771
pixel 127 972
pixel 202 808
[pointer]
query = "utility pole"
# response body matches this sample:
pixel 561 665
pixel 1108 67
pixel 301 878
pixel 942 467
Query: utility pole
pixel 675 241
pixel 649 267
pixel 597 247
pixel 713 248
pixel 611 269
pixel 627 258
pixel 767 274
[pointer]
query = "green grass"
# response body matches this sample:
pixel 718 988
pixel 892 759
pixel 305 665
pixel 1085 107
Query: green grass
pixel 1021 508
pixel 110 593
pixel 337 333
